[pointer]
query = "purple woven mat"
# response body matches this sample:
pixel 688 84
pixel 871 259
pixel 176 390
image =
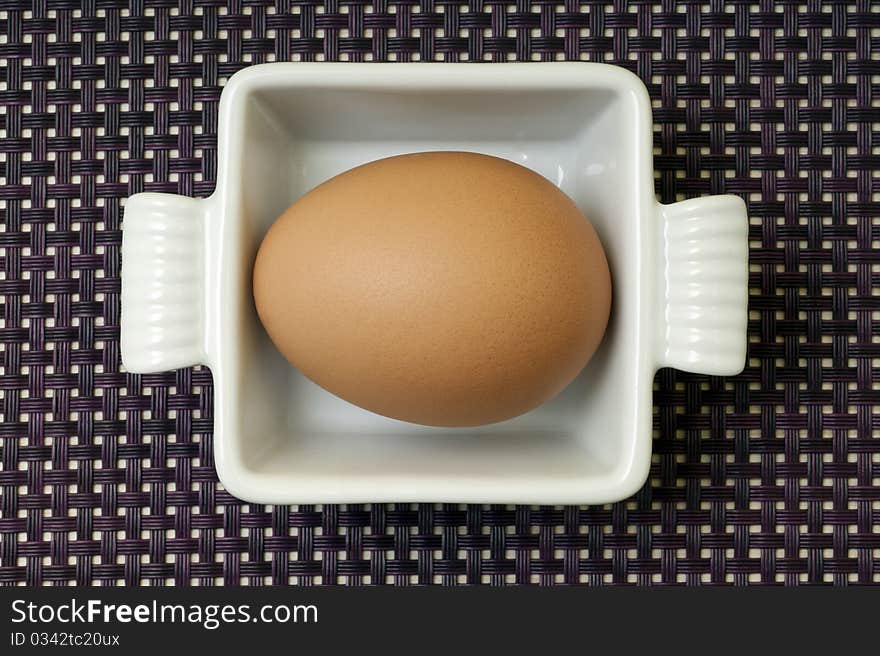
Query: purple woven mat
pixel 768 477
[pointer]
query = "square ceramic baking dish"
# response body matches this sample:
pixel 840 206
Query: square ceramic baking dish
pixel 679 273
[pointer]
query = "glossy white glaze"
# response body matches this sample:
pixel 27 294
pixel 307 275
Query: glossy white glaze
pixel 679 274
pixel 703 285
pixel 163 294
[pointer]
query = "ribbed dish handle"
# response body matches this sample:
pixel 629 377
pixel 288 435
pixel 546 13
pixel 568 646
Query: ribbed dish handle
pixel 163 274
pixel 703 285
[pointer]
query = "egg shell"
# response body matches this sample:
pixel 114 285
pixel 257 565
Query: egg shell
pixel 441 288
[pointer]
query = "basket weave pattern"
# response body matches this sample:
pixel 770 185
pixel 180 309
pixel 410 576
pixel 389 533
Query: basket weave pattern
pixel 768 477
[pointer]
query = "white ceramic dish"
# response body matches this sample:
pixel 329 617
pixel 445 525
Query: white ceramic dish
pixel 679 272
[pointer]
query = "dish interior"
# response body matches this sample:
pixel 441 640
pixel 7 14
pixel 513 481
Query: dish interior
pixel 583 140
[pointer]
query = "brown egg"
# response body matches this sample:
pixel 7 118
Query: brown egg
pixel 443 288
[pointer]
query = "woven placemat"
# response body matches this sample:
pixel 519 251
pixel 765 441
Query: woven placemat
pixel 767 477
